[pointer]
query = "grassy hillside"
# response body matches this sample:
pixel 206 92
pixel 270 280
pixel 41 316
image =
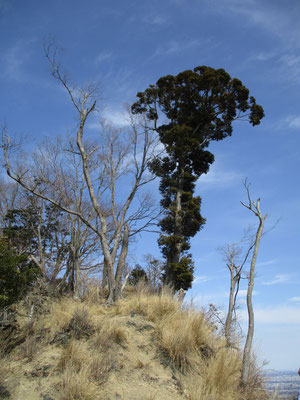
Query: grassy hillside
pixel 144 347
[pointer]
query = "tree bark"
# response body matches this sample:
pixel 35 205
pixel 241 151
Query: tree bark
pixel 255 208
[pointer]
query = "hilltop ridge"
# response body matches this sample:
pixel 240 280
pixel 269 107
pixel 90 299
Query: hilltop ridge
pixel 146 346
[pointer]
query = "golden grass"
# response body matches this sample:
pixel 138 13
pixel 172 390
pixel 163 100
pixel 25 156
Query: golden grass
pixel 206 368
pixel 110 332
pixel 100 365
pixel 74 356
pixel 151 305
pixel 62 311
pixel 183 334
pixel 78 385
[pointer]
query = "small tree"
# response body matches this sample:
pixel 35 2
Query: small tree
pixel 235 263
pixel 200 106
pixel 136 275
pixel 154 271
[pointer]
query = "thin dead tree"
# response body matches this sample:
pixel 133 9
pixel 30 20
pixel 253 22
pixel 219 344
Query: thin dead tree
pixel 254 207
pixel 235 263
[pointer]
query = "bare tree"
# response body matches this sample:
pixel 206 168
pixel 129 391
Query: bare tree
pixel 154 270
pixel 119 162
pixel 254 207
pixel 235 262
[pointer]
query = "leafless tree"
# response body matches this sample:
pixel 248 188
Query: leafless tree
pixel 154 270
pixel 115 172
pixel 235 259
pixel 254 207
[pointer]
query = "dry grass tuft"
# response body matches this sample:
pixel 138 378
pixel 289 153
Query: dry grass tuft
pixel 110 333
pixel 101 365
pixel 81 323
pixel 77 385
pixel 28 348
pixel 151 305
pixel 74 356
pixel 185 335
pixel 61 312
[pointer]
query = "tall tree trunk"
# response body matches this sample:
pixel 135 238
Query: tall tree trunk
pixel 228 322
pixel 249 339
pixel 174 257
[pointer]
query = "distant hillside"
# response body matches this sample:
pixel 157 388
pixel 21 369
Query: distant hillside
pixel 144 347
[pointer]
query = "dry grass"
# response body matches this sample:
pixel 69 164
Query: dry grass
pixel 184 335
pixel 74 356
pixel 100 366
pixel 152 306
pixel 112 345
pixel 81 323
pixel 110 332
pixel 28 349
pixel 86 317
pixel 77 385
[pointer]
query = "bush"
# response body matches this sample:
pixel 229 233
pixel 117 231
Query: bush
pixel 16 275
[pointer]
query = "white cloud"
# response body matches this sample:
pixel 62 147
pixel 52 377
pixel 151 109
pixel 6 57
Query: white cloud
pixel 175 47
pixel 280 278
pixel 116 118
pixel 218 176
pixel 292 121
pixel 266 263
pixel 295 299
pixel 201 279
pixel 243 292
pixel 103 56
pixel 274 315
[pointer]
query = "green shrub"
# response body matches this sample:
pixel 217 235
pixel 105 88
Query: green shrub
pixel 16 275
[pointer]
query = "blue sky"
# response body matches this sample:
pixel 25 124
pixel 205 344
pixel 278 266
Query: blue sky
pixel 126 45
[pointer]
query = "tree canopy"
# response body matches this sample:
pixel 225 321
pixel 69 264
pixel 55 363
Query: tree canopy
pixel 199 105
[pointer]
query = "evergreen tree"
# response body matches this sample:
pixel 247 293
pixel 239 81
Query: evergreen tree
pixel 136 275
pixel 16 274
pixel 200 106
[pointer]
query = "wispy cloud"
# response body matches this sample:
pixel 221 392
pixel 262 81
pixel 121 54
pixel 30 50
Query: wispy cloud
pixel 175 47
pixel 15 59
pixel 116 118
pixel 104 56
pixel 275 315
pixel 13 62
pixel 291 121
pixel 295 299
pixel 266 263
pixel 218 177
pixel 278 20
pixel 280 278
pixel 201 279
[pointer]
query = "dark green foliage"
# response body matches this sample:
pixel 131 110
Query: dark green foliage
pixel 16 274
pixel 200 106
pixel 136 275
pixel 37 230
